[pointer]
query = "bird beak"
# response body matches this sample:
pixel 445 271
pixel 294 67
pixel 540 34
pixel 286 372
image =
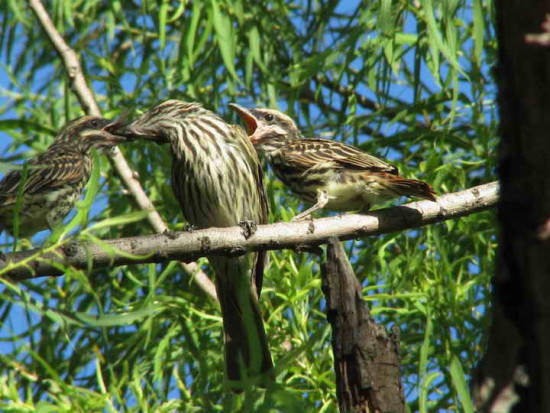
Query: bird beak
pixel 248 118
pixel 106 138
pixel 102 136
pixel 128 131
pixel 109 137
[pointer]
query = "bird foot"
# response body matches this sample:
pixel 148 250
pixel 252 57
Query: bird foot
pixel 322 200
pixel 249 228
pixel 170 234
pixel 302 217
pixel 189 228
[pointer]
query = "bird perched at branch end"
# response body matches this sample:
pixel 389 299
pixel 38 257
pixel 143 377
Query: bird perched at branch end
pixel 52 181
pixel 217 179
pixel 324 172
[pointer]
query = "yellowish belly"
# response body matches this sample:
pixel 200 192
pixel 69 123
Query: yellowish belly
pixel 352 196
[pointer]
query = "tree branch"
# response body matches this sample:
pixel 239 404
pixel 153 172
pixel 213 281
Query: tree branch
pixel 88 103
pixel 366 357
pixel 231 241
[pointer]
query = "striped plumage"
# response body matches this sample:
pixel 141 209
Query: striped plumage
pixel 54 179
pixel 322 171
pixel 217 179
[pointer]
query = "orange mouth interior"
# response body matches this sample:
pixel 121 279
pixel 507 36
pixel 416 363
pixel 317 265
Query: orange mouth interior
pixel 251 124
pixel 248 119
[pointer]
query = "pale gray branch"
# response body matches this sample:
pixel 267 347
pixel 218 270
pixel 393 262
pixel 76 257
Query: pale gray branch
pixel 88 103
pixel 231 241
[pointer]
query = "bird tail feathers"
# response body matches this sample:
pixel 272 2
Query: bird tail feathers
pixel 400 186
pixel 247 353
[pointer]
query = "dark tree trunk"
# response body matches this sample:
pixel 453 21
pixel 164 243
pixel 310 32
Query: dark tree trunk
pixel 517 362
pixel 366 357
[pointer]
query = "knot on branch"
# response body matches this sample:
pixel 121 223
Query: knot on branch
pixel 237 251
pixel 70 249
pixel 205 244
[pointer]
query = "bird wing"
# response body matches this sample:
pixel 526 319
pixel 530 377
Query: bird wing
pixel 310 153
pixel 45 172
pixel 260 260
pixel 254 160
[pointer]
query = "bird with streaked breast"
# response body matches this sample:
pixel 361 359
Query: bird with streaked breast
pixel 53 180
pixel 217 179
pixel 324 172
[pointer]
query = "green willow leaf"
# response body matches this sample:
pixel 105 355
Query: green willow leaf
pixel 26 125
pixel 460 384
pixel 225 37
pixel 163 15
pixel 109 320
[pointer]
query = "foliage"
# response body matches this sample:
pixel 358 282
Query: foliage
pixel 408 81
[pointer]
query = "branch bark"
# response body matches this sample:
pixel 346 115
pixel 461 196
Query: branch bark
pixel 232 241
pixel 366 357
pixel 118 161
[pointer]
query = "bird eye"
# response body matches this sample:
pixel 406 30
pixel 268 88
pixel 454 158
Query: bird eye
pixel 94 123
pixel 268 117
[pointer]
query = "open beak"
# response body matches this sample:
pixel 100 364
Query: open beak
pixel 248 118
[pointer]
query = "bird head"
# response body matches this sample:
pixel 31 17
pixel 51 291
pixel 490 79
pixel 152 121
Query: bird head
pixel 88 132
pixel 158 123
pixel 267 129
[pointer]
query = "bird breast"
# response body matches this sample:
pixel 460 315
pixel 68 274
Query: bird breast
pixel 212 177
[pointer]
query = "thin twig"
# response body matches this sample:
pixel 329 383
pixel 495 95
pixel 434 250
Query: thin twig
pixel 231 241
pixel 88 103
